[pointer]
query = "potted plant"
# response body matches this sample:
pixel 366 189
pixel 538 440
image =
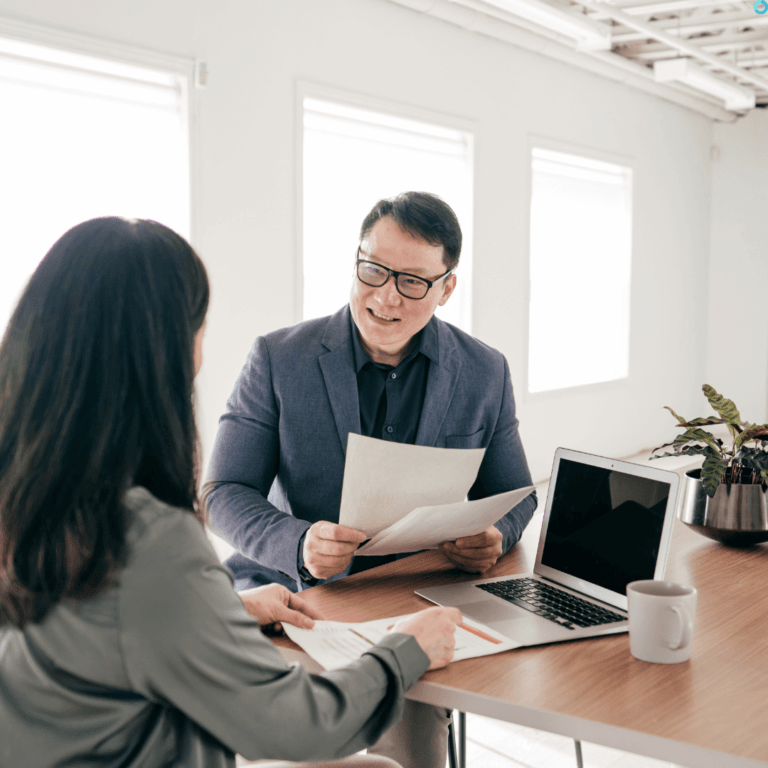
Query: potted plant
pixel 726 498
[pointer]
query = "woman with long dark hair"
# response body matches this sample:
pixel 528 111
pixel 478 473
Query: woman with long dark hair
pixel 122 642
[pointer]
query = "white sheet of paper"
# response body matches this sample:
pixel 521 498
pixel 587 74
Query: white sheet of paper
pixel 426 527
pixel 335 644
pixel 384 481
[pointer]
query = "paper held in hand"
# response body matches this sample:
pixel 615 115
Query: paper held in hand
pixel 412 497
pixel 335 644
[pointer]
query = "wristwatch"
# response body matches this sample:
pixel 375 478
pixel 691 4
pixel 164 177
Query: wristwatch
pixel 307 577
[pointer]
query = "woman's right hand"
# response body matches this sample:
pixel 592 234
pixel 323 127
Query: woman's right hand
pixel 434 630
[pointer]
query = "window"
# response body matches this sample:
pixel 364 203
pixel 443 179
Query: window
pixel 351 159
pixel 580 263
pixel 84 136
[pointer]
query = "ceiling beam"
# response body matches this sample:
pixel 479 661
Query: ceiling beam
pixel 707 43
pixel 684 26
pixel 683 46
pixel 650 9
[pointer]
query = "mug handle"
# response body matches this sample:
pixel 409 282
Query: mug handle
pixel 686 628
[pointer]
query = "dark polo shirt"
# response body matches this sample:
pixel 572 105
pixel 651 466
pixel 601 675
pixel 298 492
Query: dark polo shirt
pixel 391 398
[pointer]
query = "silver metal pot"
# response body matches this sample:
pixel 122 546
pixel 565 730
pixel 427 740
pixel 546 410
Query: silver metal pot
pixel 736 515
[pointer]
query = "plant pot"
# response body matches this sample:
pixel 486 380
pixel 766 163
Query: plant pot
pixel 736 515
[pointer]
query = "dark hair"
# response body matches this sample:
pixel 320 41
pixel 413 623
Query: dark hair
pixel 96 395
pixel 424 216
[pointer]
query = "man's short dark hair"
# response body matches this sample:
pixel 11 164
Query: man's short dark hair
pixel 424 216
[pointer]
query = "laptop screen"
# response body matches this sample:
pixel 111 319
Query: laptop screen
pixel 605 526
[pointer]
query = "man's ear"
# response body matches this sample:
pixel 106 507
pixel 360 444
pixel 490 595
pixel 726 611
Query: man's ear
pixel 448 289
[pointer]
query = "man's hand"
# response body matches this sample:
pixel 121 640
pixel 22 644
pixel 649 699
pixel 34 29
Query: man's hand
pixel 475 554
pixel 328 548
pixel 273 604
pixel 434 630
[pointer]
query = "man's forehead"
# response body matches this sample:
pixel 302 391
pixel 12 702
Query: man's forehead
pixel 416 266
pixel 424 260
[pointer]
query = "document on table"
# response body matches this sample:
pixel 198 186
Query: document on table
pixel 412 497
pixel 335 644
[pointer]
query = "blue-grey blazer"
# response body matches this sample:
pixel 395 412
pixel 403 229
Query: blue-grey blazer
pixel 278 460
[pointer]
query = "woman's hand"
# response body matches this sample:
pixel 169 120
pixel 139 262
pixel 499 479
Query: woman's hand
pixel 434 630
pixel 273 604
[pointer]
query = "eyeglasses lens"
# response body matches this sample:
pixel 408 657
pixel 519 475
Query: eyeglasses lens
pixel 375 276
pixel 412 287
pixel 370 274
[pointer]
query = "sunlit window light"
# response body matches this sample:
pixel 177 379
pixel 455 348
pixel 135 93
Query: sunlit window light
pixel 580 271
pixel 355 157
pixel 84 136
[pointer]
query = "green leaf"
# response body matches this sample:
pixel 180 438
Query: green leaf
pixel 694 450
pixel 686 450
pixel 755 432
pixel 725 408
pixel 712 471
pixel 679 418
pixel 697 435
pixel 753 458
pixel 702 422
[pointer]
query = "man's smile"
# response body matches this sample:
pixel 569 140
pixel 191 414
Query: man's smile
pixel 383 317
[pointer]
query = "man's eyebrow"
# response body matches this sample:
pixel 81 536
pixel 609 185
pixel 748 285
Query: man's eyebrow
pixel 415 271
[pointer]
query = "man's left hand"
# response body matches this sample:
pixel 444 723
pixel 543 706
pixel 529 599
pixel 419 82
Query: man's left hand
pixel 475 554
pixel 273 604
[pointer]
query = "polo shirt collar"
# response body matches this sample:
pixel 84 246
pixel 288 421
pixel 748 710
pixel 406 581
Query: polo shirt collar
pixel 427 344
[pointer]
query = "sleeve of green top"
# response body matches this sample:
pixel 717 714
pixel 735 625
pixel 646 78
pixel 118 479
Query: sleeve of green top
pixel 188 642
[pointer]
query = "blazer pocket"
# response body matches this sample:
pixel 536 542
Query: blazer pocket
pixel 475 440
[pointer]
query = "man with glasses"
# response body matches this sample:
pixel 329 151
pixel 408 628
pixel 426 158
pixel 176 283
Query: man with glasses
pixel 385 367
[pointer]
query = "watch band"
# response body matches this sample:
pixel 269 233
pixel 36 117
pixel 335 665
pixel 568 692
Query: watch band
pixel 307 577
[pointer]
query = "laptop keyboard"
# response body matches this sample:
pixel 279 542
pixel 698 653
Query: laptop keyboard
pixel 551 603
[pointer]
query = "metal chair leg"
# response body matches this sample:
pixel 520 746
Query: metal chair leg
pixel 579 758
pixel 457 757
pixel 462 740
pixel 452 761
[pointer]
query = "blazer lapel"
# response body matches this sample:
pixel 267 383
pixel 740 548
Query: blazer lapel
pixel 441 383
pixel 338 368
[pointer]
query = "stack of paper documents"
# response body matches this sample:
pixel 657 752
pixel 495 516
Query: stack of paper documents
pixel 413 497
pixel 335 644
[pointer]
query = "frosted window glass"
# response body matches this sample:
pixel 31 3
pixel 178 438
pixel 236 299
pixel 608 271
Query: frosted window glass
pixel 580 270
pixel 82 137
pixel 352 159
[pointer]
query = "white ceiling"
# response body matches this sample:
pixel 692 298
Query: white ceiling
pixel 728 41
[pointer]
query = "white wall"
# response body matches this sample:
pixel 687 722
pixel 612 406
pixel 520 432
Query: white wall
pixel 737 343
pixel 246 226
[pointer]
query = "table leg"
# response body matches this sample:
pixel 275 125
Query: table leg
pixel 579 758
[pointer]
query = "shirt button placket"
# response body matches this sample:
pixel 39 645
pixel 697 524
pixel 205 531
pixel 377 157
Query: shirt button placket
pixel 393 403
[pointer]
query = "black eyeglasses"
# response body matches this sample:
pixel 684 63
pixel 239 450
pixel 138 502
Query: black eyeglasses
pixel 410 286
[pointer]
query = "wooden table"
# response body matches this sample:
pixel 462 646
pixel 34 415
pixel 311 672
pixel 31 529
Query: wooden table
pixel 709 712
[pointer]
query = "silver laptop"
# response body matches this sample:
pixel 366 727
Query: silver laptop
pixel 606 523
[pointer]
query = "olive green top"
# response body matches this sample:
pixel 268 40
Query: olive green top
pixel 167 668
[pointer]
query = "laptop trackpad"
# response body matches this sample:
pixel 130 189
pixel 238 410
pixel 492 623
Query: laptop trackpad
pixel 518 628
pixel 487 612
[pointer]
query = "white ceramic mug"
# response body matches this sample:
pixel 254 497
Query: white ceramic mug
pixel 661 616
